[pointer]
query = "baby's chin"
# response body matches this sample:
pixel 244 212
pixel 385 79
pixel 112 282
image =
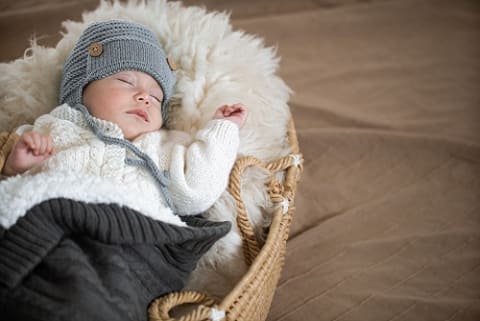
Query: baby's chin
pixel 133 135
pixel 136 128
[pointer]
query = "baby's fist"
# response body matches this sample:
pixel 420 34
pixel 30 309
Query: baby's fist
pixel 236 113
pixel 31 149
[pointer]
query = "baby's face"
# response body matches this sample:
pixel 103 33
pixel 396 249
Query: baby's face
pixel 130 99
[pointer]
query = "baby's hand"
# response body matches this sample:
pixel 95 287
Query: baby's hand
pixel 236 113
pixel 31 149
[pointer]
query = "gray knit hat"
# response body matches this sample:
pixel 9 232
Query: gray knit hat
pixel 105 48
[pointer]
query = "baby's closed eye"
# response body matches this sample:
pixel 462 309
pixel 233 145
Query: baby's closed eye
pixel 158 96
pixel 125 80
pixel 125 77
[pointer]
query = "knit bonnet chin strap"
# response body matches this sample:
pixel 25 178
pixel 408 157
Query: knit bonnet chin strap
pixel 162 178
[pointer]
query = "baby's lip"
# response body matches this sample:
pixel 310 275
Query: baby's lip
pixel 140 113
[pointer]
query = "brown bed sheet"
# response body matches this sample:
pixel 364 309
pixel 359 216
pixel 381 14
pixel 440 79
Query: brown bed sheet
pixel 387 109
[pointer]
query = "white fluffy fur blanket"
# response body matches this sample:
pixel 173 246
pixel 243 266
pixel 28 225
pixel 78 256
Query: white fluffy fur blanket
pixel 216 66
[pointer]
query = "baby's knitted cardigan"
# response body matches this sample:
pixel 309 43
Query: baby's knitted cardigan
pixel 199 169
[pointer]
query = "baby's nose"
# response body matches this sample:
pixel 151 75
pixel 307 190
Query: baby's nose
pixel 143 97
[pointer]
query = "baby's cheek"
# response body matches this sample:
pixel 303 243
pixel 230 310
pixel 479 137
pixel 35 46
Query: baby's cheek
pixel 157 121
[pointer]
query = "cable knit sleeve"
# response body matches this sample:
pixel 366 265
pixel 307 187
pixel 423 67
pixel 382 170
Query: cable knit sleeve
pixel 200 172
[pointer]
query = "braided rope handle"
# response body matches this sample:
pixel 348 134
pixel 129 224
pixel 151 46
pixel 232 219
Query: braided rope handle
pixel 160 308
pixel 250 244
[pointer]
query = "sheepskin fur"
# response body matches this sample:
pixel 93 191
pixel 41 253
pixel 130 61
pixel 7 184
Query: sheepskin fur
pixel 216 66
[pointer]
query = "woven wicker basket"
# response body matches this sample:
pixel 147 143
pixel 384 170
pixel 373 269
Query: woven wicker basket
pixel 251 298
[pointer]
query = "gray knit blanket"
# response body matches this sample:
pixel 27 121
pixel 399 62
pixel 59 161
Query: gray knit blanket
pixel 71 260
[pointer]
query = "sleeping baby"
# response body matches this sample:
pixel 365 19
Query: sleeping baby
pixel 114 91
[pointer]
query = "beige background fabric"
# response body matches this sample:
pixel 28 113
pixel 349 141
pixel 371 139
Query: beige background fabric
pixel 387 109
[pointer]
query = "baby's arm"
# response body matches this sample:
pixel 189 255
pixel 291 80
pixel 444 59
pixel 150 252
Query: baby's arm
pixel 30 150
pixel 200 172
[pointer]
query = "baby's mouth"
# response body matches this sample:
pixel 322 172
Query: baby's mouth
pixel 139 113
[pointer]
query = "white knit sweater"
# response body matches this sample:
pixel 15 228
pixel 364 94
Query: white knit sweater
pixel 199 168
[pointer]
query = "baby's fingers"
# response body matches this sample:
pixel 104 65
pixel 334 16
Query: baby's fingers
pixel 222 112
pixel 238 108
pixel 50 150
pixel 29 140
pixel 44 146
pixel 38 144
